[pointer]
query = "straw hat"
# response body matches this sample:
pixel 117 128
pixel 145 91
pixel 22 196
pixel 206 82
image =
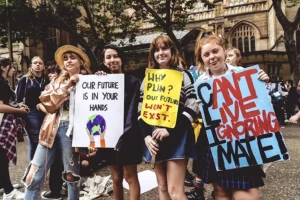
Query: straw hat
pixel 69 48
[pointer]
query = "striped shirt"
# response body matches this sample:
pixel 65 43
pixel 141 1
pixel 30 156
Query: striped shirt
pixel 187 110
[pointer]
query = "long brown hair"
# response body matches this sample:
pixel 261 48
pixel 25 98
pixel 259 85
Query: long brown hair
pixel 166 40
pixel 200 42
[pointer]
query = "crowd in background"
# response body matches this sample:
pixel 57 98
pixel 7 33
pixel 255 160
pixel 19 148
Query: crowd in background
pixel 45 102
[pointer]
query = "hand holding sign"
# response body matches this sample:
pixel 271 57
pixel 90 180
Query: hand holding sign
pixel 160 134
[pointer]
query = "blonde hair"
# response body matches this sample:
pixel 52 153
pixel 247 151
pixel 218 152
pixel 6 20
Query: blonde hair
pixel 237 52
pixel 30 73
pixel 298 86
pixel 166 40
pixel 200 42
pixel 64 75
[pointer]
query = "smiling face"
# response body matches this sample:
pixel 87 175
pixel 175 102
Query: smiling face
pixel 162 55
pixel 232 58
pixel 37 65
pixel 72 63
pixel 213 57
pixel 112 61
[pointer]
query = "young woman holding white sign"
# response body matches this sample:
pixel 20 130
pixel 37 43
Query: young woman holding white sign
pixel 176 144
pixel 238 184
pixel 56 133
pixel 123 160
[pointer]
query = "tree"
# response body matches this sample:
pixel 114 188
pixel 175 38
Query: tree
pixel 168 15
pixel 92 23
pixel 289 28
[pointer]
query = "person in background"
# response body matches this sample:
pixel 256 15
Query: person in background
pixel 29 89
pixel 238 184
pixel 58 102
pixel 295 117
pixel 176 144
pixel 292 99
pixel 53 71
pixel 9 125
pixel 123 160
pixel 182 64
pixel 233 57
pixel 298 93
pixel 275 86
pixel 55 180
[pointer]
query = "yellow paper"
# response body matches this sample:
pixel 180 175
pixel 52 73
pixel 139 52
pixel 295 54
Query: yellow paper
pixel 162 89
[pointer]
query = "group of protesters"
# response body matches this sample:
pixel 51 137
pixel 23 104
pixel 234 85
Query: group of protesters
pixel 46 102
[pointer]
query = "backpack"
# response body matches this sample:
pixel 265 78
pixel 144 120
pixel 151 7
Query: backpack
pixel 276 96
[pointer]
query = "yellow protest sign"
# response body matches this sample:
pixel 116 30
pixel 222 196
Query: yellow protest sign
pixel 162 89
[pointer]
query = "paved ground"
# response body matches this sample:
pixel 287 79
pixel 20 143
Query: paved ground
pixel 282 182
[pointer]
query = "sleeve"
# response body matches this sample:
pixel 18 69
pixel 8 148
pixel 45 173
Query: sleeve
pixel 131 118
pixel 2 94
pixel 145 128
pixel 21 89
pixel 190 111
pixel 53 98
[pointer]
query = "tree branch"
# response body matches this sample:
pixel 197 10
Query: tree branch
pixel 74 33
pixel 173 7
pixel 168 11
pixel 285 23
pixel 153 13
pixel 90 20
pixel 297 18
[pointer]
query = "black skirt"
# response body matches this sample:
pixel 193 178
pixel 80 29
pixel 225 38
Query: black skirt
pixel 242 178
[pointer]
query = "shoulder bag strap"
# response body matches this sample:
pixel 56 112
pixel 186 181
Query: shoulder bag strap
pixel 24 98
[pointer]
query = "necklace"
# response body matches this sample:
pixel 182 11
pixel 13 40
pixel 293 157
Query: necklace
pixel 39 83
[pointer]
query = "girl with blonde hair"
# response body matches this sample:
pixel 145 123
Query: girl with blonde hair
pixel 29 89
pixel 233 57
pixel 58 101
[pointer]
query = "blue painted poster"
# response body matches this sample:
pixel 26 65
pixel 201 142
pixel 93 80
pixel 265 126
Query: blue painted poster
pixel 239 119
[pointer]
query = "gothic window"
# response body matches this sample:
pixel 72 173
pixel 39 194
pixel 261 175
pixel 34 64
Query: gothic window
pixel 50 44
pixel 246 44
pixel 244 37
pixel 240 44
pixel 252 43
pixel 274 69
pixel 234 42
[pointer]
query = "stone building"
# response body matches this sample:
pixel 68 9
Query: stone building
pixel 249 25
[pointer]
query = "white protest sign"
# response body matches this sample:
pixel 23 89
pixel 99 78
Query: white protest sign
pixel 99 111
pixel 147 181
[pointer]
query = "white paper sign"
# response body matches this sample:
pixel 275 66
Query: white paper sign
pixel 99 111
pixel 147 181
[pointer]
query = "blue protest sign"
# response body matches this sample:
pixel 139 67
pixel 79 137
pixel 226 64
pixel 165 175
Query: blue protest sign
pixel 193 73
pixel 239 119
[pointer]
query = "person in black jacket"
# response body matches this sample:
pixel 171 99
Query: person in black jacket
pixel 123 160
pixel 292 98
pixel 29 89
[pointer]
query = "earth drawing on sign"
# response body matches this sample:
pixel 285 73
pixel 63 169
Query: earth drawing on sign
pixel 96 126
